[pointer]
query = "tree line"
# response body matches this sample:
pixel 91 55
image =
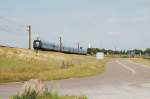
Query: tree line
pixel 93 51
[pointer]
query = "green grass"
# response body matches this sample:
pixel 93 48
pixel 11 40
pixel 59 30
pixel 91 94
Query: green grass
pixel 47 96
pixel 23 64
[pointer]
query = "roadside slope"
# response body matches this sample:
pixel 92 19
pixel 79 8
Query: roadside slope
pixel 23 64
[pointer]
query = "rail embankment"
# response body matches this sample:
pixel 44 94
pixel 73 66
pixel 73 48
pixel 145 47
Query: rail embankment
pixel 23 64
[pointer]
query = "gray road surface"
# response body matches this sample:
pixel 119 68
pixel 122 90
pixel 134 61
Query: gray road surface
pixel 122 79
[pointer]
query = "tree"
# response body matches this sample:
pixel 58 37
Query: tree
pixel 93 51
pixel 147 51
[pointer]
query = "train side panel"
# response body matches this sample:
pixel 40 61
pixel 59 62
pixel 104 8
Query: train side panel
pixel 42 45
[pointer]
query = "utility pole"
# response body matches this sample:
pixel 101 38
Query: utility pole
pixel 78 47
pixel 29 30
pixel 60 43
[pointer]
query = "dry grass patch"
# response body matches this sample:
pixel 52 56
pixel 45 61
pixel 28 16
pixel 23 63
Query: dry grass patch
pixel 23 64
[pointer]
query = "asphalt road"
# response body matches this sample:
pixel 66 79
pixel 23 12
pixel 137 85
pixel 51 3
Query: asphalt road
pixel 123 79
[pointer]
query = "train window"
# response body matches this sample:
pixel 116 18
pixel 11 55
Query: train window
pixel 37 44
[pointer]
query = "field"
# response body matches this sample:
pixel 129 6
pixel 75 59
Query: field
pixel 23 64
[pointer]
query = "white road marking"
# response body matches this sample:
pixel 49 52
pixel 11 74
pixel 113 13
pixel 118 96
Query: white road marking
pixel 139 64
pixel 126 67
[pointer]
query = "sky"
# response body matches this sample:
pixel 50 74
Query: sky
pixel 109 24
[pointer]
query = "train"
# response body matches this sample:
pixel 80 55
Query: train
pixel 46 46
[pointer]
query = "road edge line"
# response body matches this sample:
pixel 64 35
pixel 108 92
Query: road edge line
pixel 126 67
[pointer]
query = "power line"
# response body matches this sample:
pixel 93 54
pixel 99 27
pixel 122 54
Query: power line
pixel 9 25
pixel 11 21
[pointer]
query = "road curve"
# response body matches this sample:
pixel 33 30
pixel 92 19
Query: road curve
pixel 122 79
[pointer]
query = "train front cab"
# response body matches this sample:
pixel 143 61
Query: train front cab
pixel 37 44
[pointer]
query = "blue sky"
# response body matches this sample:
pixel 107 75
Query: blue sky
pixel 110 24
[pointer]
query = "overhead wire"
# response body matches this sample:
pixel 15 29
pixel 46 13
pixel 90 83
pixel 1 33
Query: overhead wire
pixel 10 25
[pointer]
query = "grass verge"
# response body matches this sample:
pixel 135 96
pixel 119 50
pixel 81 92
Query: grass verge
pixel 23 64
pixel 47 96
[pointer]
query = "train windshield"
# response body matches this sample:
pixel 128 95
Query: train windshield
pixel 37 43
